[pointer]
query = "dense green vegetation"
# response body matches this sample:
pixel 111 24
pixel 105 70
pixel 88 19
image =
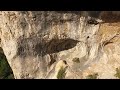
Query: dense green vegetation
pixel 5 70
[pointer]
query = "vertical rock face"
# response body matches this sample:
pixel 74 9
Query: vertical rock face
pixel 38 44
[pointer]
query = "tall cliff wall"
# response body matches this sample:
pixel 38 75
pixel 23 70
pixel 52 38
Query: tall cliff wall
pixel 40 44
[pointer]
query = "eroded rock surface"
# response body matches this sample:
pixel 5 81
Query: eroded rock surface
pixel 84 43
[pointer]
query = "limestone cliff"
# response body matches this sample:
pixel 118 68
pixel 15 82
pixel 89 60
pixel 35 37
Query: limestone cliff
pixel 61 44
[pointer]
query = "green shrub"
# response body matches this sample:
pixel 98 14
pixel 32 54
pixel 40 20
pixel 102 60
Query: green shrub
pixel 92 76
pixel 117 73
pixel 61 74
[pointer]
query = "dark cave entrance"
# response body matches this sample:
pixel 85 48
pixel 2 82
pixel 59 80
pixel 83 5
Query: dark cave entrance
pixel 5 69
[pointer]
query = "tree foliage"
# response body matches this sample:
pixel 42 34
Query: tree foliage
pixel 5 70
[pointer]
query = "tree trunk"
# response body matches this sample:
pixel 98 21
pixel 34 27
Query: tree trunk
pixel 38 44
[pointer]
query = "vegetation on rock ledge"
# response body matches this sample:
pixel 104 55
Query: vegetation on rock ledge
pixel 117 73
pixel 92 76
pixel 61 74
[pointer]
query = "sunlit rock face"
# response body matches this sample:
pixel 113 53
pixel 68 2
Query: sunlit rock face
pixel 38 44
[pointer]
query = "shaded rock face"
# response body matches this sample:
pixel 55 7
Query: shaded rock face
pixel 34 42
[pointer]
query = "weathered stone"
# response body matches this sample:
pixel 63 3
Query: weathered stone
pixel 35 42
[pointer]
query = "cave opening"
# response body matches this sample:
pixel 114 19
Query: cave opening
pixel 5 69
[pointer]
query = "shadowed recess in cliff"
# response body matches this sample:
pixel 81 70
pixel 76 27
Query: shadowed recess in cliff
pixel 57 45
pixel 36 46
pixel 110 16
